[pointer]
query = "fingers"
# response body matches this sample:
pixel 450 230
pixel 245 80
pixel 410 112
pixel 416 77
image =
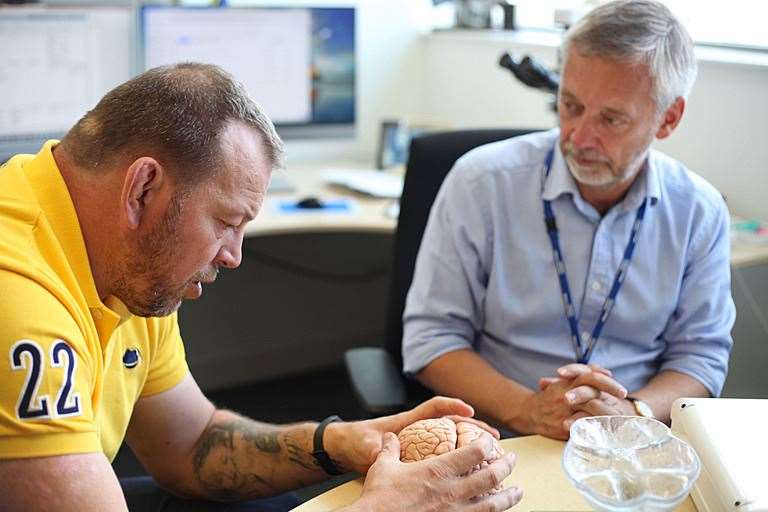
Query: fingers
pixel 390 448
pixel 572 370
pixel 483 425
pixel 462 460
pixel 499 501
pixel 544 382
pixel 576 416
pixel 437 407
pixel 581 395
pixel 604 405
pixel 486 479
pixel 601 382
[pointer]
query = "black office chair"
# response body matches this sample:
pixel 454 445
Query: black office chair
pixel 376 372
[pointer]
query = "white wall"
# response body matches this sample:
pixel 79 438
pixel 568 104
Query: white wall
pixel 723 136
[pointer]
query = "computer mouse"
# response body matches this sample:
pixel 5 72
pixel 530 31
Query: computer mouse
pixel 309 202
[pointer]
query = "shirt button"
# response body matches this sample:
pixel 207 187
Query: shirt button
pixel 585 336
pixel 596 286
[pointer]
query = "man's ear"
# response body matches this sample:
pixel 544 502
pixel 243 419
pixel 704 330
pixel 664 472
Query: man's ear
pixel 141 186
pixel 671 118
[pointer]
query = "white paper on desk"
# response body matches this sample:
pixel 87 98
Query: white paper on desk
pixel 729 436
pixel 374 183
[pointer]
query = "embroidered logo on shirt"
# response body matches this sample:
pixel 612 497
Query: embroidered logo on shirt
pixel 131 358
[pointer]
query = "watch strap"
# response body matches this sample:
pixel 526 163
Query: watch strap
pixel 319 453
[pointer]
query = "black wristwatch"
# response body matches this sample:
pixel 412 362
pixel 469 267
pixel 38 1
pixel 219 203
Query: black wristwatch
pixel 319 453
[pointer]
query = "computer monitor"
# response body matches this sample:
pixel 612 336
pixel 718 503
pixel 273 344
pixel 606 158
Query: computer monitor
pixel 297 63
pixel 55 64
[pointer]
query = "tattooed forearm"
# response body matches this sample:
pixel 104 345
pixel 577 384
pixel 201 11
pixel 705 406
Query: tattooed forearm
pixel 265 441
pixel 238 458
pixel 294 445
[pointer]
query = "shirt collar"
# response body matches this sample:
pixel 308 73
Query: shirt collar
pixel 561 182
pixel 53 196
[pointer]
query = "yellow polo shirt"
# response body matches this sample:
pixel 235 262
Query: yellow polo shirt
pixel 71 366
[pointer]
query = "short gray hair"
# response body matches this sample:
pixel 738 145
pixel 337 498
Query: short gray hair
pixel 177 112
pixel 639 31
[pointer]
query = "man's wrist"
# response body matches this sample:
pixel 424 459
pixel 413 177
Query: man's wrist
pixel 324 455
pixel 521 417
pixel 334 440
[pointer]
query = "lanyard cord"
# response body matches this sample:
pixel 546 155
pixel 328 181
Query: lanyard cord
pixel 582 355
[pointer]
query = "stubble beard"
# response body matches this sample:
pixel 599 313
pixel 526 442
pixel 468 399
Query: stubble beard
pixel 144 283
pixel 604 173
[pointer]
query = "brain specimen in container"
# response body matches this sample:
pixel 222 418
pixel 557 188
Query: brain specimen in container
pixel 429 438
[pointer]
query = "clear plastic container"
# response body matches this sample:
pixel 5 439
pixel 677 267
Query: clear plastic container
pixel 623 463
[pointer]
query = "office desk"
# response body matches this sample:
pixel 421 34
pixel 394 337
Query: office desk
pixel 538 472
pixel 367 216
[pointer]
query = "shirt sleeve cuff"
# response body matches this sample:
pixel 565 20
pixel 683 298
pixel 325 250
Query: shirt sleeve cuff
pixel 166 381
pixel 704 376
pixel 46 445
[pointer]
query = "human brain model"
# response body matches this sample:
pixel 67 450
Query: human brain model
pixel 430 438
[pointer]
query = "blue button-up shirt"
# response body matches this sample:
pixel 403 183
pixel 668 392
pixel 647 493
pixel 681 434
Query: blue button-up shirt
pixel 485 277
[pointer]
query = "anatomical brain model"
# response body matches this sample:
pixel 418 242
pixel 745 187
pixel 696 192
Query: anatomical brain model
pixel 430 438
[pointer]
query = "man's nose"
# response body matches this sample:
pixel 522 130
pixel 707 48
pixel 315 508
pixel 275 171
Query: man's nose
pixel 585 134
pixel 231 254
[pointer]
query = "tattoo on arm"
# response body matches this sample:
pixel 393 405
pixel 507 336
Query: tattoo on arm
pixel 298 455
pixel 266 442
pixel 238 458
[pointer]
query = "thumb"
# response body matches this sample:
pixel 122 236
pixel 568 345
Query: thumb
pixel 390 448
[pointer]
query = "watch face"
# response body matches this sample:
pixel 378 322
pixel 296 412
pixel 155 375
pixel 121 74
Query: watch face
pixel 643 409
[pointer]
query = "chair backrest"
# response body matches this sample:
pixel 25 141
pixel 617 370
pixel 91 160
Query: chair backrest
pixel 430 158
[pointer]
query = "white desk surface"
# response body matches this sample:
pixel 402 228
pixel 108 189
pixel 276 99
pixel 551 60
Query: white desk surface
pixel 366 216
pixel 368 213
pixel 538 472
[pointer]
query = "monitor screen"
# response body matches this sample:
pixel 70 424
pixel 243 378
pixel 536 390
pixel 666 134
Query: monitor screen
pixel 297 63
pixel 55 64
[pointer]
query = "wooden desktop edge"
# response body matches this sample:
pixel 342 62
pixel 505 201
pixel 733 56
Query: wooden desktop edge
pixel 369 217
pixel 538 471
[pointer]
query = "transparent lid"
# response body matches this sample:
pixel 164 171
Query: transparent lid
pixel 622 463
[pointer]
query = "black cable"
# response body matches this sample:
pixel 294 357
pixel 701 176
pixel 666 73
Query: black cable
pixel 312 273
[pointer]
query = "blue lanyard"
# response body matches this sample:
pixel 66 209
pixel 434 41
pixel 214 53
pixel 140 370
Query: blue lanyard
pixel 582 355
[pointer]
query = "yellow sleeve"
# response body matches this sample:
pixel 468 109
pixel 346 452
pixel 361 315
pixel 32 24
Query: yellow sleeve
pixel 47 371
pixel 168 365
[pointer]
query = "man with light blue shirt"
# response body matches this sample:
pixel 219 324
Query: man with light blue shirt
pixel 577 272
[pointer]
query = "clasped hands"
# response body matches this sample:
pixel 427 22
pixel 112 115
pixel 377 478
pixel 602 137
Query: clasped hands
pixel 577 391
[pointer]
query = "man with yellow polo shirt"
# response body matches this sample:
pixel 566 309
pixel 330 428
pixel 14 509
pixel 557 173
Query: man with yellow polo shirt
pixel 102 235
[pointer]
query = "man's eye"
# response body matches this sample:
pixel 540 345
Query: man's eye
pixel 570 107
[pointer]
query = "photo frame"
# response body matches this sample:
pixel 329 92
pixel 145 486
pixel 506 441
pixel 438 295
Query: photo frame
pixel 393 144
pixel 394 141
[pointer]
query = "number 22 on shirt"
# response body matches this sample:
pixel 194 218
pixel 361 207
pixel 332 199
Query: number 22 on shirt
pixel 27 355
